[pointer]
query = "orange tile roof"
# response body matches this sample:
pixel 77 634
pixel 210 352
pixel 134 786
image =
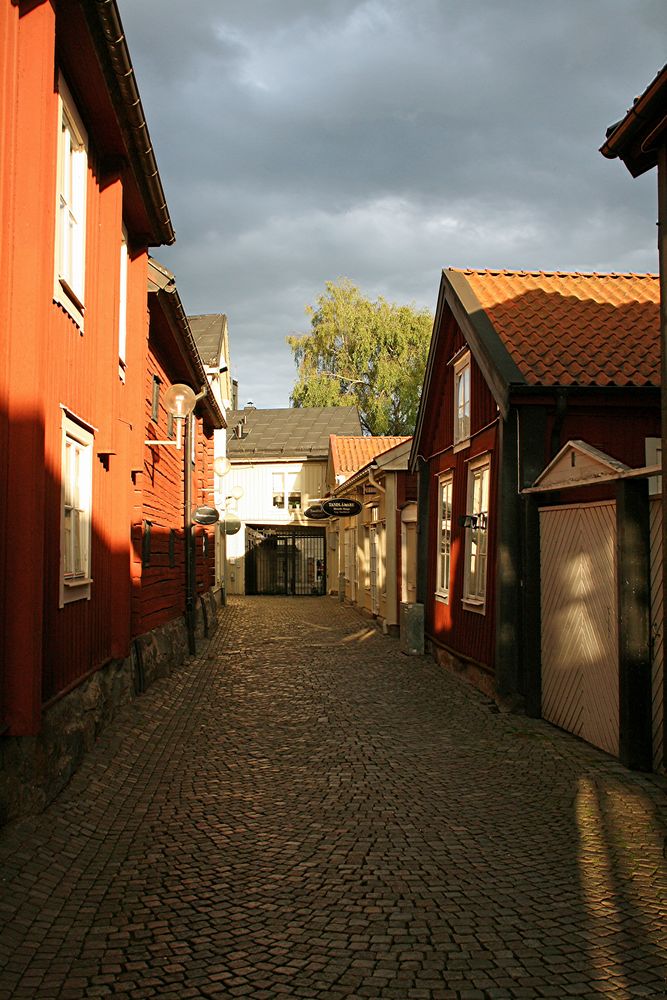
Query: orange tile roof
pixel 349 454
pixel 574 329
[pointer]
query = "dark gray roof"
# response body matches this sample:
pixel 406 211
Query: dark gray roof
pixel 292 432
pixel 209 333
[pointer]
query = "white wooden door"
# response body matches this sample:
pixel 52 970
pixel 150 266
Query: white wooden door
pixel 658 679
pixel 579 621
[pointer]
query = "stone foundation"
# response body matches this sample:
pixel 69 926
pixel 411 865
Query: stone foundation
pixel 34 769
pixel 472 672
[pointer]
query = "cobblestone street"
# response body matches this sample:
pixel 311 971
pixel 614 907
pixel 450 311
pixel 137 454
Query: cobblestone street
pixel 302 811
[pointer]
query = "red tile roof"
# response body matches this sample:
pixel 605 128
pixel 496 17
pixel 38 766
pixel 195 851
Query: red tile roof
pixel 349 454
pixel 574 329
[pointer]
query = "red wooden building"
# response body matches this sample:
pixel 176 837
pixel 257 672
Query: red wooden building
pixel 161 520
pixel 80 203
pixel 520 363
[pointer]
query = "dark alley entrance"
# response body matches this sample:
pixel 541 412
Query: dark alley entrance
pixel 288 562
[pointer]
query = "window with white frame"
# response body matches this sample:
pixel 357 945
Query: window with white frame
pixel 77 489
pixel 122 307
pixel 653 449
pixel 476 533
pixel 278 487
pixel 445 492
pixel 462 399
pixel 72 179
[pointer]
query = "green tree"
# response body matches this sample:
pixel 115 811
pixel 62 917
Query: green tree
pixel 366 354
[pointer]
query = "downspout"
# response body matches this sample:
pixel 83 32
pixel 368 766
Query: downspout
pixel 662 257
pixel 187 529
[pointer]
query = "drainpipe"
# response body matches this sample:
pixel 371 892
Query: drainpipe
pixel 662 256
pixel 189 547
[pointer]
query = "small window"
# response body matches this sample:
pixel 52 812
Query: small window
pixel 77 483
pixel 462 399
pixel 155 398
pixel 278 487
pixel 122 308
pixel 445 491
pixel 72 179
pixel 294 501
pixel 476 532
pixel 146 544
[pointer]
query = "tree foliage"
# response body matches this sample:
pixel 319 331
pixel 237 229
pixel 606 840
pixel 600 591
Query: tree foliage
pixel 366 354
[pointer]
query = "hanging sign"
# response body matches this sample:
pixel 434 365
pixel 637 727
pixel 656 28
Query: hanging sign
pixel 205 515
pixel 341 507
pixel 316 513
pixel 232 523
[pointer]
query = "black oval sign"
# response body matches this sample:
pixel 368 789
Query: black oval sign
pixel 205 515
pixel 316 513
pixel 341 507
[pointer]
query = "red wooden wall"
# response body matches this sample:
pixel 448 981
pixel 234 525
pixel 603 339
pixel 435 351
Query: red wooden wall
pixel 468 633
pixel 47 363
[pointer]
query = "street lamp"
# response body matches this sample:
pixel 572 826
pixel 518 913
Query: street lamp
pixel 179 401
pixel 221 466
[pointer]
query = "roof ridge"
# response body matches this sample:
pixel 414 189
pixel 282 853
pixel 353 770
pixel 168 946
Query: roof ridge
pixel 535 272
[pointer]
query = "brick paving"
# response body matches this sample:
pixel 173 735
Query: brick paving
pixel 302 811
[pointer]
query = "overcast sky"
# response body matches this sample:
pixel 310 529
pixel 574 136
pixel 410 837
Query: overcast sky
pixel 304 140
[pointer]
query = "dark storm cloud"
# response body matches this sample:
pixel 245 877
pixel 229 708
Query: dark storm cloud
pixel 303 140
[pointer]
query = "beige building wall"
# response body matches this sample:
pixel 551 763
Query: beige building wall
pixel 263 483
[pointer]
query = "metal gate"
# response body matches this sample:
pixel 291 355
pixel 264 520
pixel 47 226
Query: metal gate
pixel 285 561
pixel 579 621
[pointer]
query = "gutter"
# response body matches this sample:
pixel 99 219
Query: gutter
pixel 104 15
pixel 647 108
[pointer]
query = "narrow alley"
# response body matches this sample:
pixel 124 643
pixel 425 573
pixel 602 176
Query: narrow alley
pixel 303 811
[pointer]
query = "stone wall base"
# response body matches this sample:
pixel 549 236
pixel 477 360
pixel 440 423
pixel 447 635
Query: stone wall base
pixel 472 672
pixel 34 769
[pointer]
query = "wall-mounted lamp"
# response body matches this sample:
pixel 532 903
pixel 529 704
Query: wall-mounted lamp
pixel 179 401
pixel 473 521
pixel 221 466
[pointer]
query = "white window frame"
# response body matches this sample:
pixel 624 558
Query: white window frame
pixel 444 554
pixel 653 453
pixel 76 511
pixel 71 196
pixel 122 306
pixel 462 380
pixel 476 537
pixel 278 491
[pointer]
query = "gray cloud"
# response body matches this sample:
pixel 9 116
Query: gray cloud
pixel 384 140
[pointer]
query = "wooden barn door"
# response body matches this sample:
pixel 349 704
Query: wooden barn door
pixel 658 674
pixel 579 621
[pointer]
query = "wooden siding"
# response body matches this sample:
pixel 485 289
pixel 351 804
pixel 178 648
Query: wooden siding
pixel 467 633
pixel 439 415
pixel 580 691
pixel 657 645
pixel 159 590
pixel 256 505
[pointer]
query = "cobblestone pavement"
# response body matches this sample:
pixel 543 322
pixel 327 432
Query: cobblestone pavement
pixel 302 811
